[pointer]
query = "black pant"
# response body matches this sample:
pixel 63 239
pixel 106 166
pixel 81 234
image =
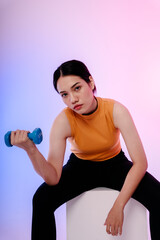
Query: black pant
pixel 79 176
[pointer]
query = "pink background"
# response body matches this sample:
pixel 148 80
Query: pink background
pixel 120 43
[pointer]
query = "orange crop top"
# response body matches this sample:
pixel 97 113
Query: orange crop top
pixel 94 137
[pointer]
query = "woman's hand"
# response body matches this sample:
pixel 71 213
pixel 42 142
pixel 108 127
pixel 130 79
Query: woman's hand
pixel 20 139
pixel 114 221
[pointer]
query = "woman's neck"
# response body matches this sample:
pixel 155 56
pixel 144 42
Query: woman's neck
pixel 96 106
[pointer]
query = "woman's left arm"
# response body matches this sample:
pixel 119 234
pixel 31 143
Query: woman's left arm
pixel 123 121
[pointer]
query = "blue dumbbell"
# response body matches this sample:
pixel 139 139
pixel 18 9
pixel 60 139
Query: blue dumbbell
pixel 36 136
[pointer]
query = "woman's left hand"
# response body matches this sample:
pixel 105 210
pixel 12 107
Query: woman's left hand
pixel 114 221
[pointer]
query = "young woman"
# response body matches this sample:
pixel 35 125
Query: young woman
pixel 93 126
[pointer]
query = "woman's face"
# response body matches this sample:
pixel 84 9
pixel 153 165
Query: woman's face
pixel 77 94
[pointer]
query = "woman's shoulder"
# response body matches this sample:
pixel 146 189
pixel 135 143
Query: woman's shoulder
pixel 106 104
pixel 61 123
pixel 106 100
pixel 112 103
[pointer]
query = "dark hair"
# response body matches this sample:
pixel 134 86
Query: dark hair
pixel 73 67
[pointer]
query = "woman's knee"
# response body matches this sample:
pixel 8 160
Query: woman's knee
pixel 42 198
pixel 156 202
pixel 155 193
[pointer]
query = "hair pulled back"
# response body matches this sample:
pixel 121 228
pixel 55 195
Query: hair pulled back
pixel 72 67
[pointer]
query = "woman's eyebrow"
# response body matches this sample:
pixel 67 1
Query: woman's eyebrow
pixel 75 84
pixel 71 87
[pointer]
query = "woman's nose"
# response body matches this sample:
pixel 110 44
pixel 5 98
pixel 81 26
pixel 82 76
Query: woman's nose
pixel 73 98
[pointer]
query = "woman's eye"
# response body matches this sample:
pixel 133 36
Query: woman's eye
pixel 64 95
pixel 77 88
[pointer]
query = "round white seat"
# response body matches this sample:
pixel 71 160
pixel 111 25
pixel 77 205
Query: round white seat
pixel 86 215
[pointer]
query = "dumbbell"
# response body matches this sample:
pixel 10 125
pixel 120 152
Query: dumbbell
pixel 36 136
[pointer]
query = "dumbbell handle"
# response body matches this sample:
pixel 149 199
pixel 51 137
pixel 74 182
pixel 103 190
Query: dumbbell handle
pixel 36 136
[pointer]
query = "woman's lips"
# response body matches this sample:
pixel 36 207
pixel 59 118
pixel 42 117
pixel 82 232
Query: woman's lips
pixel 77 107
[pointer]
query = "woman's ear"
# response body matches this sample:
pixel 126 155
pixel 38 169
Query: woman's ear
pixel 91 83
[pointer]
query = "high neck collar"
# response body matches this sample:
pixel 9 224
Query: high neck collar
pixel 87 114
pixel 91 114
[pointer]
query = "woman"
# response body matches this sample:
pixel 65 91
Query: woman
pixel 92 125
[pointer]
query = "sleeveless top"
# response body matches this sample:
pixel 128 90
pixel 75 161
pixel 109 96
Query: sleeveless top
pixel 94 137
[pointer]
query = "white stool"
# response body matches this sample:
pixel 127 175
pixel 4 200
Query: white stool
pixel 86 215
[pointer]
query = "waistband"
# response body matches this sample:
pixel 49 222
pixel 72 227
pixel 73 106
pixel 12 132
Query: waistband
pixel 118 158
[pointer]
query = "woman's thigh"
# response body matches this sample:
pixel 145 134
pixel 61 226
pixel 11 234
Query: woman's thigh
pixel 75 179
pixel 148 190
pixel 79 176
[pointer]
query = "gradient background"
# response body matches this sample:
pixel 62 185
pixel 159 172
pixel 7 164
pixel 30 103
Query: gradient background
pixel 120 43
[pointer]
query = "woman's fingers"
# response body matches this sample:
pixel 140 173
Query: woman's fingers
pixel 114 221
pixel 114 230
pixel 19 137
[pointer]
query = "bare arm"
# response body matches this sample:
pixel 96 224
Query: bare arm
pixel 50 169
pixel 123 121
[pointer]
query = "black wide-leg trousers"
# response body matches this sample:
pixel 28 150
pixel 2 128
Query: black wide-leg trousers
pixel 79 176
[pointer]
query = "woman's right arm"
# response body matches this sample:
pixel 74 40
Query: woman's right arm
pixel 50 169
